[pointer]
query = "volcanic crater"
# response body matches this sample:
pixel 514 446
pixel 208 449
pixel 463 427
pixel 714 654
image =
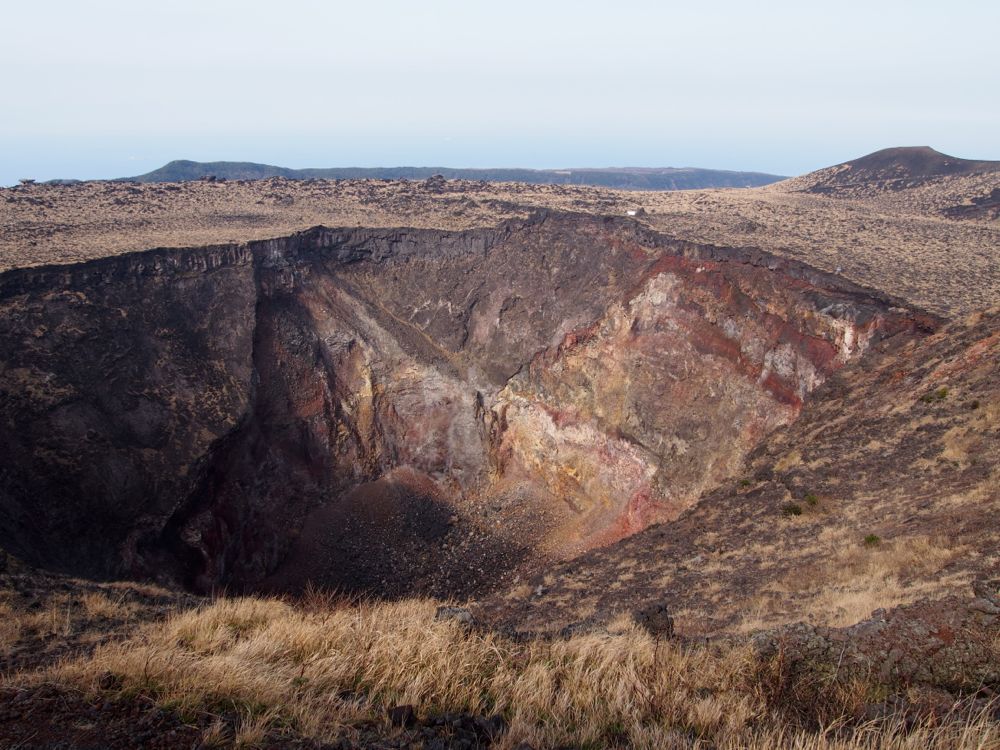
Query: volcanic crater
pixel 394 412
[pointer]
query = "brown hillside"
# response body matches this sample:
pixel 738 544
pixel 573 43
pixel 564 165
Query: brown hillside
pixel 911 179
pixel 908 163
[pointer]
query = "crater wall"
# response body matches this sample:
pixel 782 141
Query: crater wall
pixel 398 410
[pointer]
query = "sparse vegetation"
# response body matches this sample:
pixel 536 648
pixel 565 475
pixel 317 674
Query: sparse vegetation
pixel 912 255
pixel 851 581
pixel 872 540
pixel 811 499
pixel 791 509
pixel 100 604
pixel 45 617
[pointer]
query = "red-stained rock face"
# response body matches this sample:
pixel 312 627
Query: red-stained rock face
pixel 629 420
pixel 506 396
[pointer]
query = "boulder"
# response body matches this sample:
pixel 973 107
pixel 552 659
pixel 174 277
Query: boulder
pixel 402 716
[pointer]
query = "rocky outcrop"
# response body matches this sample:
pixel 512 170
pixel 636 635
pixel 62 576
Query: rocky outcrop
pixel 951 643
pixel 882 492
pixel 390 409
pixel 117 380
pixel 629 419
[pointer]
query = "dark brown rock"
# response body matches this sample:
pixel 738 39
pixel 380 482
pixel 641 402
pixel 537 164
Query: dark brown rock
pixel 656 619
pixel 402 716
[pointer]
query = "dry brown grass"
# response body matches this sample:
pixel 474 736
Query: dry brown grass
pixel 975 732
pixel 59 614
pixel 318 670
pixel 43 618
pixel 848 580
pixel 55 619
pixel 99 604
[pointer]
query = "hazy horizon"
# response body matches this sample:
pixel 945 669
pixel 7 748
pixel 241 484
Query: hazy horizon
pixel 113 89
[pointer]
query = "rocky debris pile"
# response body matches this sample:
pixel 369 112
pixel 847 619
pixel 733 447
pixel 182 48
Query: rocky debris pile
pixel 945 648
pixel 435 184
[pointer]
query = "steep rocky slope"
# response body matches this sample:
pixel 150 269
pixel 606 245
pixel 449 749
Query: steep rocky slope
pixel 399 410
pixel 602 432
pixel 884 492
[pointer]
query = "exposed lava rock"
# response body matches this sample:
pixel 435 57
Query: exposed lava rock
pixel 892 469
pixel 398 409
pixel 949 643
pixel 656 619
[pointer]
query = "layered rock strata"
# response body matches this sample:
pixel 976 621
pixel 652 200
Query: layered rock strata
pixel 398 410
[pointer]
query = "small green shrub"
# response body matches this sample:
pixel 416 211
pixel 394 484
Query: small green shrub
pixel 939 395
pixel 811 499
pixel 873 540
pixel 791 509
pixel 745 483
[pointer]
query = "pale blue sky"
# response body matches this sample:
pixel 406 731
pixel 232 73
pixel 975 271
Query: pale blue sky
pixel 108 88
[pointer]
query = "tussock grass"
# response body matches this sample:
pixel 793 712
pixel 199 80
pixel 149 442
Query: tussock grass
pixel 54 619
pixel 99 604
pixel 975 731
pixel 318 669
pixel 865 576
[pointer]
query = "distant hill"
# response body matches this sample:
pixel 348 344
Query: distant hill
pixel 893 169
pixel 629 178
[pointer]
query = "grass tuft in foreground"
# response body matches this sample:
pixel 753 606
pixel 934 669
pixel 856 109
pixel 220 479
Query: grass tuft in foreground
pixel 316 670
